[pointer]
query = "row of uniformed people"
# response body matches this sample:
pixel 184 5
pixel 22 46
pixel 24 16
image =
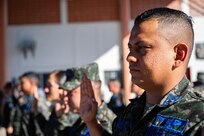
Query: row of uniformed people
pixel 56 109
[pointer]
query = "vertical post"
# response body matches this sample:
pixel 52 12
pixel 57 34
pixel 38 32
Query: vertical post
pixel 2 45
pixel 63 11
pixel 185 6
pixel 125 17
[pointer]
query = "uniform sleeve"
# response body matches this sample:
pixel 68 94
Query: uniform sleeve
pixel 105 117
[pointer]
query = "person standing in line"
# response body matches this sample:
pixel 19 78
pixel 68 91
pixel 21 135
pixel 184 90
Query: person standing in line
pixel 116 102
pixel 58 118
pixel 72 86
pixel 160 45
pixel 30 83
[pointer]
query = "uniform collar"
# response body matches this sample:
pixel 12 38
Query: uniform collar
pixel 172 97
pixel 176 93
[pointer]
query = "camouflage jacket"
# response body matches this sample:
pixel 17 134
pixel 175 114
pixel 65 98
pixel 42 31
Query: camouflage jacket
pixel 45 107
pixel 181 112
pixel 67 120
pixel 104 116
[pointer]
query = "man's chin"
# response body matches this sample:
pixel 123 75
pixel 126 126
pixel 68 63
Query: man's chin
pixel 137 81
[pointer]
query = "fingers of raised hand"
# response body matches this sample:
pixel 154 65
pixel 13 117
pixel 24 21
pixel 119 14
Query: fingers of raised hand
pixel 83 87
pixel 36 95
pixel 86 87
pixel 88 110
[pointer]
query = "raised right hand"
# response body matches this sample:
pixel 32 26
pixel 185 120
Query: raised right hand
pixel 88 104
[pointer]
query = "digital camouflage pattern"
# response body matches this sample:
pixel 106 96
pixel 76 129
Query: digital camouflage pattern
pixel 45 107
pixel 74 76
pixel 181 112
pixel 67 120
pixel 104 116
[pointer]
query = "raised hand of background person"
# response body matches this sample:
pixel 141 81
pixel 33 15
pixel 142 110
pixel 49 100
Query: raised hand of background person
pixel 36 94
pixel 62 106
pixel 88 104
pixel 35 102
pixel 9 130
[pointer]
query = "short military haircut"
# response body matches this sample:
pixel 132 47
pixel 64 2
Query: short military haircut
pixel 171 18
pixel 58 75
pixel 32 76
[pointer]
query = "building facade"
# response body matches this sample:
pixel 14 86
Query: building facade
pixel 45 35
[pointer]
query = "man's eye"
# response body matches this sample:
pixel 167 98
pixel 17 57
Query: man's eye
pixel 143 47
pixel 129 46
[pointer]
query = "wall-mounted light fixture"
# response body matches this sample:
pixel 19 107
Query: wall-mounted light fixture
pixel 27 46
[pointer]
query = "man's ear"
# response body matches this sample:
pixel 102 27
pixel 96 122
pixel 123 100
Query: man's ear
pixel 181 51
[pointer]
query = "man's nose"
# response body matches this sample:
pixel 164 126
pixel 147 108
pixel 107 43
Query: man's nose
pixel 131 58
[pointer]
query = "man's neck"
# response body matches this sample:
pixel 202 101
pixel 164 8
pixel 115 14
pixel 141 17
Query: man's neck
pixel 155 95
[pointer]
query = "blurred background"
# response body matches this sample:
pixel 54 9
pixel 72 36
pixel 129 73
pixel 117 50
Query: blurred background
pixel 44 35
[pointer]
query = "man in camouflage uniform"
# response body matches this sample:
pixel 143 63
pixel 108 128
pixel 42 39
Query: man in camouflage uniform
pixel 72 85
pixel 160 46
pixel 55 121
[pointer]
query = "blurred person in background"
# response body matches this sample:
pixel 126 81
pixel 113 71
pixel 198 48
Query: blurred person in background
pixel 30 86
pixel 12 108
pixel 57 119
pixel 17 109
pixel 72 85
pixel 9 104
pixel 116 102
pixel 52 91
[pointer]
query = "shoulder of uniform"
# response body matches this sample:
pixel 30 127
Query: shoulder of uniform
pixel 103 106
pixel 103 110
